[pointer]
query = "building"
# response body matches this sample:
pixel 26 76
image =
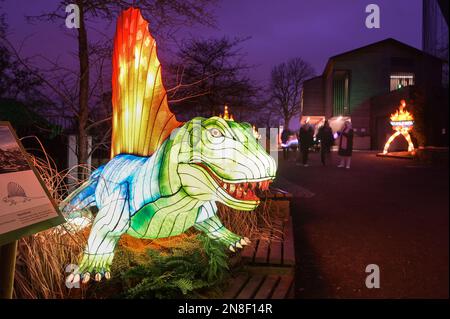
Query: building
pixel 435 31
pixel 366 85
pixel 435 27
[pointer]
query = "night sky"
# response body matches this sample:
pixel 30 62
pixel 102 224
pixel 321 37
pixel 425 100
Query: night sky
pixel 279 30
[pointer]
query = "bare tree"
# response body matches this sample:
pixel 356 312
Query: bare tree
pixel 15 81
pixel 286 87
pixel 217 68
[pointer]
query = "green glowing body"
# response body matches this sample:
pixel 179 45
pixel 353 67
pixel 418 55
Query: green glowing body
pixel 205 161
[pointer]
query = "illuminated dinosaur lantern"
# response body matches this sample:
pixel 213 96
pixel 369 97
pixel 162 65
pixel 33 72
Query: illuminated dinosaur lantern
pixel 164 176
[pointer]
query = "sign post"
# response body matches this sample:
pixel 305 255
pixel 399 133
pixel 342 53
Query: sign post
pixel 7 267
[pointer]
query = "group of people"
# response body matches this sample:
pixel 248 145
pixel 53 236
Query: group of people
pixel 326 139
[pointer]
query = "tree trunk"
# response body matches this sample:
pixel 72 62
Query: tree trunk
pixel 83 111
pixel 287 119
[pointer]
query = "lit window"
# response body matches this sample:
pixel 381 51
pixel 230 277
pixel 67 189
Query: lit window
pixel 399 80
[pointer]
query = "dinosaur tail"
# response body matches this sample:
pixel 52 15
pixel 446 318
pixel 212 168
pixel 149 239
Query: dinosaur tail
pixel 75 207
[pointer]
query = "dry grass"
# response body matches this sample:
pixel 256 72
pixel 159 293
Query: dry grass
pixel 257 224
pixel 43 257
pixel 41 263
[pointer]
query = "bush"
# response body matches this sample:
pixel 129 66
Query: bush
pixel 179 272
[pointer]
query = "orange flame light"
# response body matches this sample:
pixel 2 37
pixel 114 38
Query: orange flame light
pixel 402 119
pixel 226 115
pixel 402 122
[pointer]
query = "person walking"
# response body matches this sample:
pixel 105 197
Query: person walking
pixel 346 145
pixel 305 137
pixel 325 136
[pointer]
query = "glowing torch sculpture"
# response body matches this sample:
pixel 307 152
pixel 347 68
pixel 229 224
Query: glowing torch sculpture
pixel 402 123
pixel 164 176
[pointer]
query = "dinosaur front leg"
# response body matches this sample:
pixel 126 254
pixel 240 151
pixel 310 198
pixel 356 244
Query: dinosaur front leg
pixel 208 222
pixel 111 222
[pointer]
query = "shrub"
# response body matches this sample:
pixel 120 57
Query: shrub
pixel 178 272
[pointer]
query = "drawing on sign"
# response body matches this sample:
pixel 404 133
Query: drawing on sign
pixel 16 194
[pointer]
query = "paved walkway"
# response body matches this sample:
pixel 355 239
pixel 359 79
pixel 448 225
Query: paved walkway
pixel 384 211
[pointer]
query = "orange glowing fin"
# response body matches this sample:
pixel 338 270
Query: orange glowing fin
pixel 142 119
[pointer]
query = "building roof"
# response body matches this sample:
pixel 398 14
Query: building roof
pixel 313 78
pixel 388 41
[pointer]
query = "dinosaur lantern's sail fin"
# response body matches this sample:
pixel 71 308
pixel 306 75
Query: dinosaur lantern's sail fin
pixel 142 119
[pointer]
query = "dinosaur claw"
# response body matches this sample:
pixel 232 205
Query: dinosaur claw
pixel 98 277
pixel 232 248
pixel 238 245
pixel 70 278
pixel 107 275
pixel 247 240
pixel 73 280
pixel 86 278
pixel 76 278
pixel 243 242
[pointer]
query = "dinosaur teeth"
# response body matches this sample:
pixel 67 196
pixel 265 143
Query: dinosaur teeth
pixel 245 190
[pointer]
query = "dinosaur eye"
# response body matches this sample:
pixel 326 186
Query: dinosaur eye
pixel 215 132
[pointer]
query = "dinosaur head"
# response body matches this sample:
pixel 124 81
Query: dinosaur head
pixel 221 160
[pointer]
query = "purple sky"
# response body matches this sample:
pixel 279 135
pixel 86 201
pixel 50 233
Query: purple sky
pixel 279 30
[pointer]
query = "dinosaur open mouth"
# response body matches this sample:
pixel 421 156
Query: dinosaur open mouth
pixel 248 190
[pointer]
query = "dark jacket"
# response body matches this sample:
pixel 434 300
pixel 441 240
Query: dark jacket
pixel 325 135
pixel 346 143
pixel 305 136
pixel 285 135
